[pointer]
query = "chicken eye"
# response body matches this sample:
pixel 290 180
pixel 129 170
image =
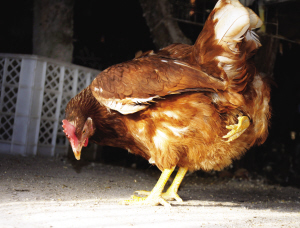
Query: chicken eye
pixel 83 131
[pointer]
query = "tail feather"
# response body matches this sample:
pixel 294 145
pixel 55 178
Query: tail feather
pixel 255 21
pixel 251 38
pixel 226 43
pixel 231 23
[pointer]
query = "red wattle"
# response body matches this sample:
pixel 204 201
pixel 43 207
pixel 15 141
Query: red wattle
pixel 86 142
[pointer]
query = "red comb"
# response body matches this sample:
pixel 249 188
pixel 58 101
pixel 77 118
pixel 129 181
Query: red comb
pixel 69 129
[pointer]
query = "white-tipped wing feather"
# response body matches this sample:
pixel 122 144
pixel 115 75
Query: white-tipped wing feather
pixel 127 105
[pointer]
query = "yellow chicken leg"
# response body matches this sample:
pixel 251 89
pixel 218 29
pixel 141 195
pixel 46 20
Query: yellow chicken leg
pixel 155 197
pixel 171 193
pixel 237 129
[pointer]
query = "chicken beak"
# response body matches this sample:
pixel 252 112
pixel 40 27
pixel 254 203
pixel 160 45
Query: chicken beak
pixel 77 154
pixel 77 147
pixel 76 150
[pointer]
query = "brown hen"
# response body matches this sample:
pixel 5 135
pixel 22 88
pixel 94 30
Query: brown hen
pixel 194 107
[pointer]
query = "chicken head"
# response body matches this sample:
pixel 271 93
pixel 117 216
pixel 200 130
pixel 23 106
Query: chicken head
pixel 78 139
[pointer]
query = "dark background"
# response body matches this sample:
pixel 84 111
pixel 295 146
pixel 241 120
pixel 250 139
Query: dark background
pixel 110 32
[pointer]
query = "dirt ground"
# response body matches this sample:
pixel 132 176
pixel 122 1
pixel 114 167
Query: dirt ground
pixel 48 192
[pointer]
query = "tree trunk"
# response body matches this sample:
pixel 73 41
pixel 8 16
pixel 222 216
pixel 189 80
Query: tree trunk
pixel 53 29
pixel 164 30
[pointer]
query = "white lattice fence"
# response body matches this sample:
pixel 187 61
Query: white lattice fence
pixel 34 93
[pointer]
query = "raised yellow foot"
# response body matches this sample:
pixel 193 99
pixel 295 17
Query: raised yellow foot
pixel 237 129
pixel 171 193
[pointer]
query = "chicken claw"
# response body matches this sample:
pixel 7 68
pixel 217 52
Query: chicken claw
pixel 237 129
pixel 160 198
pixel 151 200
pixel 169 195
pixel 155 196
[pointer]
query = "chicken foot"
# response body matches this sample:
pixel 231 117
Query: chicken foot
pixel 171 193
pixel 155 196
pixel 237 129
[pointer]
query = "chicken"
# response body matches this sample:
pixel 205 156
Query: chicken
pixel 191 107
